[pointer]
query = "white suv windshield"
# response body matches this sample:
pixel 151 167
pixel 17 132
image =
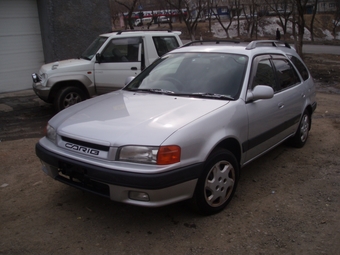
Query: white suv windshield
pixel 194 73
pixel 91 51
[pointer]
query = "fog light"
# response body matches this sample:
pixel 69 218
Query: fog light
pixel 49 170
pixel 137 195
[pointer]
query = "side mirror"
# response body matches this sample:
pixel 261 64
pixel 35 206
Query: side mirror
pixel 129 79
pixel 260 92
pixel 99 57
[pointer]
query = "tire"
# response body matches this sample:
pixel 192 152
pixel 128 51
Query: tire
pixel 217 184
pixel 301 135
pixel 68 96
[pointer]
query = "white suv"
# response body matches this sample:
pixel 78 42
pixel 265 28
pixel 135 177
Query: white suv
pixel 103 67
pixel 184 127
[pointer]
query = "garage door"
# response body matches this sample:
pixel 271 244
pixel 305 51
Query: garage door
pixel 21 51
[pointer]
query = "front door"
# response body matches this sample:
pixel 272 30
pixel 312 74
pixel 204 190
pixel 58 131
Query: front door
pixel 120 59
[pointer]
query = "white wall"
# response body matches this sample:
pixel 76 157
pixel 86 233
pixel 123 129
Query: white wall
pixel 21 52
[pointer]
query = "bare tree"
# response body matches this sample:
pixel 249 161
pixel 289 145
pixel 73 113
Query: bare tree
pixel 251 18
pixel 209 12
pixel 194 12
pixel 248 19
pixel 336 20
pixel 283 10
pixel 163 5
pixel 130 5
pixel 116 12
pixel 313 18
pixel 301 23
pixel 294 24
pixel 237 8
pixel 256 18
pixel 218 17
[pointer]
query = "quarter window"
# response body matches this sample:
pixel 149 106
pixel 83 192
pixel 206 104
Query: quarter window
pixel 165 44
pixel 286 75
pixel 300 67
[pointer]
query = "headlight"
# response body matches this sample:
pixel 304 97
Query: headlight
pixel 163 155
pixel 43 76
pixel 142 154
pixel 51 133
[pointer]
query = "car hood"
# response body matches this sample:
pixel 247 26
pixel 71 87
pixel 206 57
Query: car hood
pixel 68 64
pixel 125 117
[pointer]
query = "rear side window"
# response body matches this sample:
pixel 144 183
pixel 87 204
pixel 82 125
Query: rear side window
pixel 300 67
pixel 164 44
pixel 286 75
pixel 274 71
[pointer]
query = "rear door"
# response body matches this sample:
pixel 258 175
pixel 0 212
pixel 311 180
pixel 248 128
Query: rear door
pixel 120 59
pixel 293 93
pixel 272 120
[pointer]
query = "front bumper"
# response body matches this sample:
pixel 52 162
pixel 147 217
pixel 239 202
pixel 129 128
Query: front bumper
pixel 153 189
pixel 41 91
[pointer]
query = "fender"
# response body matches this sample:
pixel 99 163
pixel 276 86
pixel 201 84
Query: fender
pixel 86 80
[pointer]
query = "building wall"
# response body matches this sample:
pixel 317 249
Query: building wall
pixel 69 26
pixel 21 51
pixel 327 6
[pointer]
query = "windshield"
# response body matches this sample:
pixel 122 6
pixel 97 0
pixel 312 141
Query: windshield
pixel 217 75
pixel 91 51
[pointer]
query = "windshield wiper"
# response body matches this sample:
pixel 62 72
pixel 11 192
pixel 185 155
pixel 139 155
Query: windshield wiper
pixel 198 94
pixel 158 91
pixel 212 95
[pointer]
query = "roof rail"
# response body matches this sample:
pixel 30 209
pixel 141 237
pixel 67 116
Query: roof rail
pixel 149 30
pixel 275 43
pixel 209 41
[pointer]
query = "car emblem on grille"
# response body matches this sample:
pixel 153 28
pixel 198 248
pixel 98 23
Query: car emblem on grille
pixel 82 149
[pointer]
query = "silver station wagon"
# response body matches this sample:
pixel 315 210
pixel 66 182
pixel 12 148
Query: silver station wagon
pixel 184 127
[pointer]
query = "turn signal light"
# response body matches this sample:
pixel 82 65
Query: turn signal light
pixel 168 155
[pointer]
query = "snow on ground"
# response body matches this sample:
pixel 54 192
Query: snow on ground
pixel 266 28
pixel 328 34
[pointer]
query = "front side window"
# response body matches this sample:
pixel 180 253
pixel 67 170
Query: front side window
pixel 265 74
pixel 164 44
pixel 194 73
pixel 121 50
pixel 91 51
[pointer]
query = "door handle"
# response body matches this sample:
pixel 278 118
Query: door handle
pixel 133 68
pixel 281 105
